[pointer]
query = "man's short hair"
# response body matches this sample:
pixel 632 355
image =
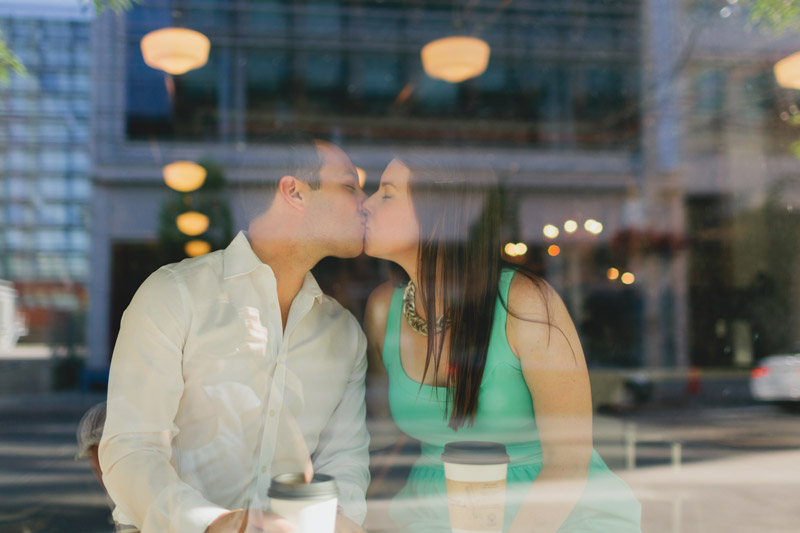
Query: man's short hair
pixel 299 157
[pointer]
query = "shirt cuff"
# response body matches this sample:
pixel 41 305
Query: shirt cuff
pixel 200 518
pixel 351 498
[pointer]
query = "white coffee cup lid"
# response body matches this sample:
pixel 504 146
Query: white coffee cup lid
pixel 293 486
pixel 475 453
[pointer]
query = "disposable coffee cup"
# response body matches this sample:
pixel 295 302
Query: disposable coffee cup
pixel 475 475
pixel 311 507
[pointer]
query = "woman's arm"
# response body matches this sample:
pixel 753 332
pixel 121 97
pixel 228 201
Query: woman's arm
pixel 544 338
pixel 375 316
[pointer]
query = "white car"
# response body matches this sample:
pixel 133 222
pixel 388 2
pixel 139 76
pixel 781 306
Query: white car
pixel 777 379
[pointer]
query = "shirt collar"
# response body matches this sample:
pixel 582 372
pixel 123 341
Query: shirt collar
pixel 239 259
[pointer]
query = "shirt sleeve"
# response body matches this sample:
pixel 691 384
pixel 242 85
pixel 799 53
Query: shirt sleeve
pixel 343 449
pixel 144 391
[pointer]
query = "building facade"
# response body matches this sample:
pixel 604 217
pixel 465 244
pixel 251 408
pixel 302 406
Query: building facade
pixel 45 186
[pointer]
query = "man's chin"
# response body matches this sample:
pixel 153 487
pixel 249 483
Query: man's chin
pixel 350 252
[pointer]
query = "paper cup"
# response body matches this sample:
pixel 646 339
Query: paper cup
pixel 475 475
pixel 311 507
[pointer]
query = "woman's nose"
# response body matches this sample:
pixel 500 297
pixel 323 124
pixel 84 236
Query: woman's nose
pixel 366 206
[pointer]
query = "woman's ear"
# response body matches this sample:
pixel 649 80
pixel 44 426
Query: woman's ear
pixel 293 191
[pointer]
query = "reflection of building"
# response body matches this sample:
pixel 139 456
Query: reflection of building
pixel 742 190
pixel 558 114
pixel 44 165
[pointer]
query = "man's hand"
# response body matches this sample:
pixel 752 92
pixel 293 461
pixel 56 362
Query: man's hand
pixel 345 525
pixel 253 521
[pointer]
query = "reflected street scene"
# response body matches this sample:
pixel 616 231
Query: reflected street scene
pixel 345 266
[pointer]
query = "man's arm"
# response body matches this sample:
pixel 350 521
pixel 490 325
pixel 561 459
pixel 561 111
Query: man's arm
pixel 145 388
pixel 343 449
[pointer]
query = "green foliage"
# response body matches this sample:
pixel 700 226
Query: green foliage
pixel 795 149
pixel 778 15
pixel 211 199
pixel 9 61
pixel 117 6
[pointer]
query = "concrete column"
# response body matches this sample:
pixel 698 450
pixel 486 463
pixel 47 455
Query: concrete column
pixel 99 281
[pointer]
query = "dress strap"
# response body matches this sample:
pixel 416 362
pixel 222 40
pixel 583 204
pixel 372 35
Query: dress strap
pixel 499 350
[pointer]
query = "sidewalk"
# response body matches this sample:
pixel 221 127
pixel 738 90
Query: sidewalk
pixel 744 494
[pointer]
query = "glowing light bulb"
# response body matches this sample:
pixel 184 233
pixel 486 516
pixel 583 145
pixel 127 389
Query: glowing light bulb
pixel 455 59
pixel 192 223
pixel 550 231
pixel 196 247
pixel 175 50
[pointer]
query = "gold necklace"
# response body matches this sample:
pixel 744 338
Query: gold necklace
pixel 416 322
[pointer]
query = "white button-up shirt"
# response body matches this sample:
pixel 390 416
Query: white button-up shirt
pixel 209 396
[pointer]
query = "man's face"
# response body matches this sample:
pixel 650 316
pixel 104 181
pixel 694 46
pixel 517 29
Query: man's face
pixel 334 211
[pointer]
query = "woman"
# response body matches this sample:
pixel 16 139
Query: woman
pixel 502 363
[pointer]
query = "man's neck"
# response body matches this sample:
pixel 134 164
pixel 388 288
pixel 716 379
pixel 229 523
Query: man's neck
pixel 287 255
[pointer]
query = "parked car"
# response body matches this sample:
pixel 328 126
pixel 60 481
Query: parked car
pixel 776 379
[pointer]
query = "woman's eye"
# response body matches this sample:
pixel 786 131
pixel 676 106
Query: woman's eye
pixel 385 196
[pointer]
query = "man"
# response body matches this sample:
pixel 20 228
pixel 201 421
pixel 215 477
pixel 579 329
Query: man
pixel 232 367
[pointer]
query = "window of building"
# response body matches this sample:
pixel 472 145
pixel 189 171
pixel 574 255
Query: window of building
pixel 51 239
pixel 53 188
pixel 17 188
pixel 53 214
pixel 20 214
pixel 53 160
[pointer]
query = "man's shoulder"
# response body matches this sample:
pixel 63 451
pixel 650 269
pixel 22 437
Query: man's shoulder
pixel 197 269
pixel 191 276
pixel 332 307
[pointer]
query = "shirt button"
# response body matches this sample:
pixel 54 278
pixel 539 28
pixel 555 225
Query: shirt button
pixel 271 412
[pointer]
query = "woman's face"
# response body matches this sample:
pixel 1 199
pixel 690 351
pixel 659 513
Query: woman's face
pixel 392 229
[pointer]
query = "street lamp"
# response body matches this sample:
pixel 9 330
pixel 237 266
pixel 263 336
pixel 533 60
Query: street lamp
pixel 787 71
pixel 175 50
pixel 455 59
pixel 196 247
pixel 192 223
pixel 184 176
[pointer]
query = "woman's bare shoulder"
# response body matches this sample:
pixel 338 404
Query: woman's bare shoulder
pixel 530 297
pixel 377 310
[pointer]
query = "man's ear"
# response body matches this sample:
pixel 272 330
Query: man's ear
pixel 293 191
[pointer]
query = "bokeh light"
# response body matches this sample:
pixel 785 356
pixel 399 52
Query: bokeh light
pixel 192 223
pixel 196 247
pixel 550 231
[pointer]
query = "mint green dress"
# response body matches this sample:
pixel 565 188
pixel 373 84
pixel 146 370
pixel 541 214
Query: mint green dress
pixel 505 414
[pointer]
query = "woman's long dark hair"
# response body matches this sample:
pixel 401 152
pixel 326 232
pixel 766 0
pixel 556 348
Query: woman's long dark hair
pixel 459 263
